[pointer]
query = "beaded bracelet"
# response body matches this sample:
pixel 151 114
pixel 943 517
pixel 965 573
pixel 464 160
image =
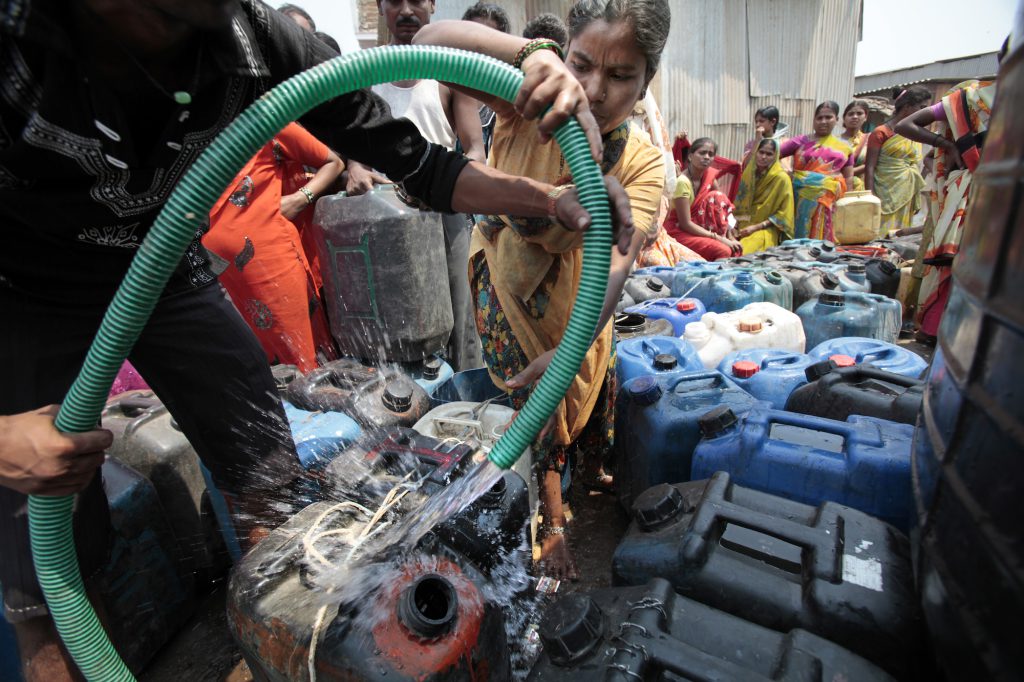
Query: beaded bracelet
pixel 532 46
pixel 310 198
pixel 553 196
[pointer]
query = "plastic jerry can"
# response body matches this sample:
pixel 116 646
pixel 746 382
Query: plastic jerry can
pixel 641 287
pixel 146 595
pixel 805 242
pixel 906 248
pixel 430 374
pixel 838 392
pixel 379 255
pixel 320 436
pixel 479 425
pixel 649 632
pixel 679 311
pixel 758 325
pixel 768 374
pixel 831 570
pixel 471 385
pixel 654 355
pixel 819 252
pixel 881 273
pixel 852 276
pixel 888 356
pixel 730 291
pixel 10 659
pixel 857 217
pixel 863 462
pixel 147 439
pixel 777 289
pixel 633 325
pixel 656 426
pixel 432 615
pixel 374 397
pixel 625 301
pixel 809 280
pixel 283 376
pixel 833 315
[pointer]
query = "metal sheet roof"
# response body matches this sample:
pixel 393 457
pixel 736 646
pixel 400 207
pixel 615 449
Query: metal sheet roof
pixel 952 70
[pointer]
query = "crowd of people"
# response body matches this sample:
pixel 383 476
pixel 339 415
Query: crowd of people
pixel 106 106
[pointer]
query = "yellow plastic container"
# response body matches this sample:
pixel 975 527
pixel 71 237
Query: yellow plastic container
pixel 857 218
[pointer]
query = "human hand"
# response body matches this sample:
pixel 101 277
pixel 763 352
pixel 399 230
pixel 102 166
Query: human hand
pixel 744 232
pixel 547 81
pixel 37 459
pixel 293 204
pixel 953 159
pixel 573 216
pixel 759 131
pixel 362 179
pixel 533 372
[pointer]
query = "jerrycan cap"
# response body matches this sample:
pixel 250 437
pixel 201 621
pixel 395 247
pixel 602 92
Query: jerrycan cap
pixel 744 369
pixel 888 268
pixel 751 325
pixel 819 369
pixel 841 360
pixel 857 267
pixel 432 368
pixel 644 390
pixel 429 606
pixel 826 245
pixel 717 421
pixel 814 251
pixel 665 361
pixel 829 280
pixel 397 396
pixel 832 298
pixel 658 506
pixel 630 322
pixel 571 628
pixel 655 284
pixel 687 305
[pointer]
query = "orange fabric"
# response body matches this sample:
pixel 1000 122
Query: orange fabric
pixel 268 276
pixel 303 151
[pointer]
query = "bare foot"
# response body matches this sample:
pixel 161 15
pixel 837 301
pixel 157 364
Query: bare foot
pixel 556 559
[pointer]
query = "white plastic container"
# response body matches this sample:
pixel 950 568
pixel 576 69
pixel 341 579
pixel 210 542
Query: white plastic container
pixel 480 424
pixel 857 218
pixel 757 325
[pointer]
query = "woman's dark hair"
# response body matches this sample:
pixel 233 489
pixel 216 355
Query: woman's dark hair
pixel 770 113
pixel 650 20
pixel 547 25
pixel 910 97
pixel 487 10
pixel 827 104
pixel 765 141
pixel 855 104
pixel 702 141
pixel 289 9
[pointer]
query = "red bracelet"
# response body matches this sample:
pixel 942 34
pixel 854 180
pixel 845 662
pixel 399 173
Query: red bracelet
pixel 532 46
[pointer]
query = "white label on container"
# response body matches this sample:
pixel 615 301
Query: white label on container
pixel 864 572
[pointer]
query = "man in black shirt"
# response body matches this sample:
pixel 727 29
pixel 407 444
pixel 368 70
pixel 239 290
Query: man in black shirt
pixel 103 106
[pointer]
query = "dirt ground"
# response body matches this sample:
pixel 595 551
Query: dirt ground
pixel 204 652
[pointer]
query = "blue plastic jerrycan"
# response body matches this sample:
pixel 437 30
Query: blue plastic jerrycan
pixel 767 374
pixel 320 436
pixel 650 355
pixel 834 315
pixel 730 291
pixel 656 426
pixel 679 311
pixel 863 462
pixel 881 354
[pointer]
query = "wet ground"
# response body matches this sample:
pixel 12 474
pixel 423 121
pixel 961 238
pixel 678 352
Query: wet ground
pixel 204 652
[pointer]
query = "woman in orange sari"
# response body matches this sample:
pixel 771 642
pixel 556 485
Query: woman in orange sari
pixel 267 274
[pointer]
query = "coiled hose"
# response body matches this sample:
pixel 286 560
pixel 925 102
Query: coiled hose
pixel 50 526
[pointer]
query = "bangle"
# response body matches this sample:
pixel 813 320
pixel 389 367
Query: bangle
pixel 937 140
pixel 553 530
pixel 309 194
pixel 532 46
pixel 553 196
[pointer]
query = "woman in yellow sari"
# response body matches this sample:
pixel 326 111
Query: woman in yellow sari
pixel 525 272
pixel 764 205
pixel 893 169
pixel 855 115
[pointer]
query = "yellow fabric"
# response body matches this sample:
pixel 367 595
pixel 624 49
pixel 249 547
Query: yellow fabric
pixel 898 182
pixel 768 197
pixel 522 252
pixel 684 188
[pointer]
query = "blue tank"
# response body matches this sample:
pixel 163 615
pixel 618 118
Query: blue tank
pixel 834 315
pixel 320 436
pixel 767 374
pixel 679 311
pixel 729 291
pixel 430 374
pixel 649 355
pixel 862 463
pixel 656 426
pixel 10 663
pixel 883 355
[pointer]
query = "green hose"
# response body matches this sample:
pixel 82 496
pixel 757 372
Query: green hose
pixel 53 546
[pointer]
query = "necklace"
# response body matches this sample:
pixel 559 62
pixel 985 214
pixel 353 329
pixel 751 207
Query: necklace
pixel 182 97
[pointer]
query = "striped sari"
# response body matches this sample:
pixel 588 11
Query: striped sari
pixel 817 181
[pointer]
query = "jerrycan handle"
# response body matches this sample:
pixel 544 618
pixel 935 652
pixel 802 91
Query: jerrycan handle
pixel 787 359
pixel 869 371
pixel 714 512
pixel 649 349
pixel 830 426
pixel 709 374
pixel 877 352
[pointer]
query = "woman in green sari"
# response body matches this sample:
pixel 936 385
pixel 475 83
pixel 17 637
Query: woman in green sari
pixel 764 204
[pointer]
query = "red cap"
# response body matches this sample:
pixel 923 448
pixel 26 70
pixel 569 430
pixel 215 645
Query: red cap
pixel 687 305
pixel 744 369
pixel 843 360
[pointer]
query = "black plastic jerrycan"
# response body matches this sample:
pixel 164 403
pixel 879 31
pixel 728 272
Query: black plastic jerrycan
pixel 837 392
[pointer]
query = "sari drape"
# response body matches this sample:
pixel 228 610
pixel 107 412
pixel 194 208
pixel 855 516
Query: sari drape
pixel 766 197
